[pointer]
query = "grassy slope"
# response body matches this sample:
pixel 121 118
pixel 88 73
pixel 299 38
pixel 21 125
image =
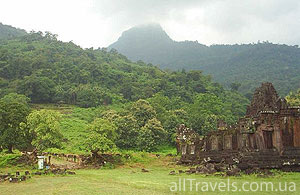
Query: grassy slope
pixel 73 125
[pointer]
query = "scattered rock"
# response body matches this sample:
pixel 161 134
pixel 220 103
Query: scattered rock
pixel 37 173
pixel 233 172
pixel 172 173
pixel 27 173
pixel 23 178
pixel 265 173
pixel 211 168
pixel 4 176
pixel 71 173
pixel 13 180
pixel 145 170
pixel 250 171
pixel 58 171
pixel 221 167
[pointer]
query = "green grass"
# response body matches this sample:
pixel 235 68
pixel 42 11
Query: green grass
pixel 165 150
pixel 127 180
pixel 75 131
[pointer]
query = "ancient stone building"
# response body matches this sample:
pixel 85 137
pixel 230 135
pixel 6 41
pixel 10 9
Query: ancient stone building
pixel 268 136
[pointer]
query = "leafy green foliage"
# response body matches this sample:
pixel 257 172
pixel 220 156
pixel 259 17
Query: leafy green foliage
pixel 32 85
pixel 45 127
pixel 127 130
pixel 293 98
pixel 205 112
pixel 8 159
pixel 13 110
pixel 172 120
pixel 98 142
pixel 151 136
pixel 102 135
pixel 145 140
pixel 143 112
pixel 104 128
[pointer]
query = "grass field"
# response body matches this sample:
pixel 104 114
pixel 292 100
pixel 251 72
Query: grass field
pixel 129 179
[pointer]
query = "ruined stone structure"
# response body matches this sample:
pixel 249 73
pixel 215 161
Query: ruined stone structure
pixel 267 137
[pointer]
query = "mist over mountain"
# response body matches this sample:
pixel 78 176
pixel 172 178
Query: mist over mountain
pixel 245 64
pixel 7 32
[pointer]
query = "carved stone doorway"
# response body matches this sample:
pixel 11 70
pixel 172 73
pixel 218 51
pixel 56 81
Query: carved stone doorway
pixel 268 139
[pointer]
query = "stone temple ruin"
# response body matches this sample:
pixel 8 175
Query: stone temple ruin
pixel 268 137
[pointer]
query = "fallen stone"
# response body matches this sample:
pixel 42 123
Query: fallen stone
pixel 211 168
pixel 58 171
pixel 234 172
pixel 13 180
pixel 37 173
pixel 23 178
pixel 193 170
pixel 4 176
pixel 145 170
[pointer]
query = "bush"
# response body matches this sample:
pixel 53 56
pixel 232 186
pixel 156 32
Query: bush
pixel 9 159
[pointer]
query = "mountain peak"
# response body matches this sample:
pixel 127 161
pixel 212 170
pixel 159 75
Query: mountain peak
pixel 147 33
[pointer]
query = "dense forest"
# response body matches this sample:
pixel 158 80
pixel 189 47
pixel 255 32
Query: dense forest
pixel 140 105
pixel 7 32
pixel 246 65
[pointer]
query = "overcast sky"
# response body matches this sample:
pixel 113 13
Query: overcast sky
pixel 98 23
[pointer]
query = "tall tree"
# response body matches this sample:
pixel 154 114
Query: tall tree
pixel 45 127
pixel 13 110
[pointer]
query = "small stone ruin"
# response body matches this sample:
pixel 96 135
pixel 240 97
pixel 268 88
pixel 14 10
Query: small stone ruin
pixel 268 137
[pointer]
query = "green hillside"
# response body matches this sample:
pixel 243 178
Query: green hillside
pixel 8 32
pixel 136 100
pixel 247 64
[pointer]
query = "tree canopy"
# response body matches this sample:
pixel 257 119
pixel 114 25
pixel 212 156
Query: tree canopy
pixel 45 128
pixel 14 109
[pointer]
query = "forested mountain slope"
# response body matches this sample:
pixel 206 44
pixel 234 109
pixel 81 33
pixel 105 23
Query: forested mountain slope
pixel 247 64
pixel 7 32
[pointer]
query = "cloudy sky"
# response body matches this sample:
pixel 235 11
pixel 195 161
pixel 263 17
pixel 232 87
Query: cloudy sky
pixel 98 23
